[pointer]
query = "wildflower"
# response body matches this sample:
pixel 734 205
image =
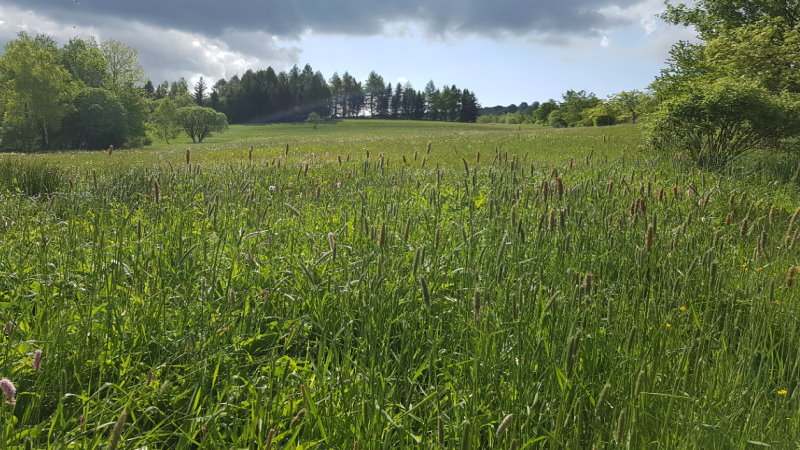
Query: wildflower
pixel 273 188
pixel 37 359
pixel 783 392
pixel 758 269
pixel 683 308
pixel 338 184
pixel 9 391
pixel 668 325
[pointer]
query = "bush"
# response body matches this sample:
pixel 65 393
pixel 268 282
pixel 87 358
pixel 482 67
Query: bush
pixel 716 123
pixel 199 122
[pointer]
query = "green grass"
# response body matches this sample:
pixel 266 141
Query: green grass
pixel 450 142
pixel 394 305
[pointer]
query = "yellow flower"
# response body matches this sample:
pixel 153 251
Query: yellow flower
pixel 783 392
pixel 683 308
pixel 668 325
pixel 759 269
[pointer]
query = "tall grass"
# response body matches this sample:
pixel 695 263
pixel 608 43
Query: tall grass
pixel 497 301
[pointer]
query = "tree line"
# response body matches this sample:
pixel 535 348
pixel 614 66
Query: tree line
pixel 90 95
pixel 81 95
pixel 270 96
pixel 576 108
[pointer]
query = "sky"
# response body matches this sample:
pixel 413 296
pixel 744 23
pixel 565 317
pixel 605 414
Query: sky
pixel 506 51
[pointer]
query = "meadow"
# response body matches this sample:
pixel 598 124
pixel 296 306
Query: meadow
pixel 372 284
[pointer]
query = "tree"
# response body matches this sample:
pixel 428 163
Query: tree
pixel 716 123
pixel 314 119
pixel 97 121
pixel 164 121
pixel 178 88
pixel 430 100
pixel 35 92
pixel 749 48
pixel 374 89
pixel 542 113
pixel 199 122
pixel 574 104
pixel 602 115
pixel 149 90
pixel 85 61
pixel 200 91
pixel 162 90
pixel 122 65
pixel 633 103
pixel 713 17
pixel 469 107
pixel 396 102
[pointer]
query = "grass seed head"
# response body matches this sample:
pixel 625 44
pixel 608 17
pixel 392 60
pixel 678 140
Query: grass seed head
pixel 648 238
pixel 116 432
pixel 504 424
pixel 382 240
pixel 790 275
pixel 9 390
pixel 601 399
pixel 729 218
pixel 588 284
pixel 37 359
pixel 331 241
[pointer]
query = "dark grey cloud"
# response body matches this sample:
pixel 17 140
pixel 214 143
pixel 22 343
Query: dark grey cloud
pixel 289 19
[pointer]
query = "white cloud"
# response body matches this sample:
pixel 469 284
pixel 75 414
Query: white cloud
pixel 644 13
pixel 165 54
pixel 605 41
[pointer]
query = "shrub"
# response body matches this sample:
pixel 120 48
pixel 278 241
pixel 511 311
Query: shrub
pixel 715 123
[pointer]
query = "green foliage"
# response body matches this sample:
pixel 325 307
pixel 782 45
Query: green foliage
pixel 199 122
pixel 631 104
pixel 122 64
pixel 557 119
pixel 751 48
pixel 34 178
pixel 766 52
pixel 400 304
pixel 716 123
pixel 574 104
pixel 601 115
pixel 35 92
pixel 137 111
pixel 542 114
pixel 85 61
pixel 97 121
pixel 712 17
pixel 80 96
pixel 314 119
pixel 164 121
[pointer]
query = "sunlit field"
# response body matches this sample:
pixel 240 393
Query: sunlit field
pixel 373 284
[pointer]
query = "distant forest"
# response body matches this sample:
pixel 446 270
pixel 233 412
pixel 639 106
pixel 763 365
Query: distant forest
pixel 264 96
pixel 90 95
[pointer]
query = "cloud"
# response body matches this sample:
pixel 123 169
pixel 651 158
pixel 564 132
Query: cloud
pixel 290 19
pixel 165 53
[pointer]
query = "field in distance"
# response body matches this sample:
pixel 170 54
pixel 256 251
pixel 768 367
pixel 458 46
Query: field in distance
pixel 450 143
pixel 501 287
